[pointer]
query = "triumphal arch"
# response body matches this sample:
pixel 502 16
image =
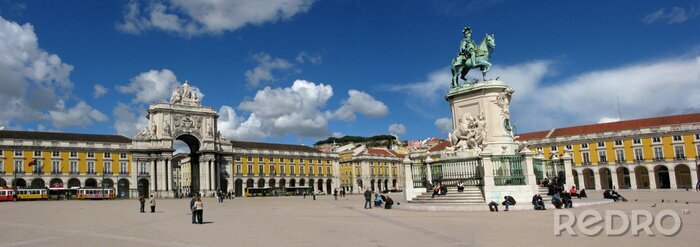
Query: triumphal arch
pixel 184 119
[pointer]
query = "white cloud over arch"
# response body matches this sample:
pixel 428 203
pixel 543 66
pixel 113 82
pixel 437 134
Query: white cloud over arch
pixel 363 103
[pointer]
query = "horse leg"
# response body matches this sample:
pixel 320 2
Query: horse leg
pixel 455 74
pixel 465 71
pixel 484 69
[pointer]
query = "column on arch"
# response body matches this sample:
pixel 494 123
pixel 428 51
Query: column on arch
pixel 652 177
pixel 596 177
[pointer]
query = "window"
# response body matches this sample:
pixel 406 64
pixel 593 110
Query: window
pixel 291 160
pixel 697 136
pixel 260 159
pixel 250 158
pixel 122 155
pixel 680 152
pixel 618 142
pixel 250 169
pixel 260 169
pixel 37 153
pixel 539 149
pixel 38 168
pixel 144 168
pixel 310 161
pixel 656 139
pixel 55 154
pixel 1 153
pixel 586 158
pixel 677 138
pixel 658 153
pixel 107 168
pixel 311 170
pixel 123 168
pixel 584 145
pixel 291 170
pixel 601 144
pixel 239 169
pixel 301 169
pixel 91 167
pixel 319 162
pixel 270 159
pixel 55 167
pixel 553 148
pixel 282 169
pixel 637 141
pixel 74 167
pixel 2 167
pixel 281 160
pixel 18 153
pixel 602 156
pixel 638 155
pixel 568 147
pixel 328 170
pixel 91 155
pixel 320 170
pixel 19 166
pixel 272 169
pixel 238 158
pixel 620 155
pixel 107 155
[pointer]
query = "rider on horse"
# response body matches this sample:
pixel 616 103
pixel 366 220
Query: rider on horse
pixel 467 48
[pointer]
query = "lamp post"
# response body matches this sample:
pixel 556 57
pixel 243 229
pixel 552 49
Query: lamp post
pixel 103 180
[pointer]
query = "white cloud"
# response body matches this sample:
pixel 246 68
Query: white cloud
pixel 152 86
pixel 654 88
pixel 280 111
pixel 673 16
pixel 337 134
pixel 361 102
pixel 397 129
pixel 197 17
pixel 434 87
pixel 308 57
pixel 263 71
pixel 33 82
pixel 608 119
pixel 128 120
pixel 80 115
pixel 444 125
pixel 99 91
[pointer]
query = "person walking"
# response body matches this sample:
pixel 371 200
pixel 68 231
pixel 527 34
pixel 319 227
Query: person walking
pixel 313 194
pixel 199 209
pixel 143 203
pixel 152 203
pixel 194 214
pixel 335 194
pixel 368 199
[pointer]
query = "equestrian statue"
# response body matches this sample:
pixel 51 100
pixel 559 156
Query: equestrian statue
pixel 472 56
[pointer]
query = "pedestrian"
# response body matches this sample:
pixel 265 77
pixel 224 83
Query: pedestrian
pixel 199 209
pixel 304 194
pixel 143 203
pixel 368 199
pixel 194 214
pixel 152 203
pixel 335 194
pixel 313 193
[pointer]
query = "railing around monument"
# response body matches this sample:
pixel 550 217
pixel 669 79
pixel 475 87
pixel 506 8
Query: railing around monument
pixel 539 169
pixel 554 168
pixel 418 174
pixel 450 172
pixel 508 170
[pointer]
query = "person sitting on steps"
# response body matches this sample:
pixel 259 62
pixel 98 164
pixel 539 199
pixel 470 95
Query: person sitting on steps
pixel 460 186
pixel 537 202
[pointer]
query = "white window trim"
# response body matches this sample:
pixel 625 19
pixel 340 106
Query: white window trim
pixel 653 150
pixel 622 143
pixel 674 151
pixel 583 158
pixel 584 148
pixel 21 153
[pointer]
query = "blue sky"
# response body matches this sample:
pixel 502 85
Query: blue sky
pixel 321 68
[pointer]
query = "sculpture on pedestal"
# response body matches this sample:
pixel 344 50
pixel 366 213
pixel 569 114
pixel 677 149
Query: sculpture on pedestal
pixel 185 95
pixel 470 133
pixel 472 56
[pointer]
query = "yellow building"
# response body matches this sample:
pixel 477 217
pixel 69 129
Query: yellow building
pixel 62 161
pixel 651 153
pixel 376 169
pixel 287 167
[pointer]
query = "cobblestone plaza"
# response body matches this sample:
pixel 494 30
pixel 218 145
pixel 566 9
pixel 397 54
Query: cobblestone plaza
pixel 298 221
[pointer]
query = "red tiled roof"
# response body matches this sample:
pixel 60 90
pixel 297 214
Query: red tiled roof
pixel 378 152
pixel 396 154
pixel 440 146
pixel 615 126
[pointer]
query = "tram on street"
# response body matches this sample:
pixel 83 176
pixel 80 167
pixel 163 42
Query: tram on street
pixel 7 194
pixel 96 193
pixel 32 194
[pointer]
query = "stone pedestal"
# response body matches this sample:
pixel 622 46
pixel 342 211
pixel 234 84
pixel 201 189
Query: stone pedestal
pixel 492 98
